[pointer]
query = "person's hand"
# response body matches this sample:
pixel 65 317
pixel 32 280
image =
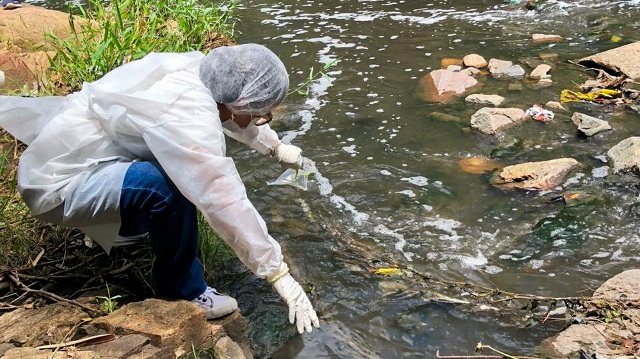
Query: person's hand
pixel 289 155
pixel 300 309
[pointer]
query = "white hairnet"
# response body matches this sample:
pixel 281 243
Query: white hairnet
pixel 248 78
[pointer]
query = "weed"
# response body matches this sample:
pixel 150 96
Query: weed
pixel 312 76
pixel 212 248
pixel 108 303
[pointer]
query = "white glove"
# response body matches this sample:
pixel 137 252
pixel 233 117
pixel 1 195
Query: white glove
pixel 289 155
pixel 300 309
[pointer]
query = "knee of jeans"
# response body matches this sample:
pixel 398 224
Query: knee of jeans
pixel 151 188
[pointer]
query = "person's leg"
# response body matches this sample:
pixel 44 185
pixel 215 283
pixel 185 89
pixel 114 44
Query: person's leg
pixel 151 203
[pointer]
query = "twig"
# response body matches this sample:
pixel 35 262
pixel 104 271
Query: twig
pixel 49 295
pixel 96 339
pixel 476 356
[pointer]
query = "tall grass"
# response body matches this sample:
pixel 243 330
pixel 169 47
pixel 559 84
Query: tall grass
pixel 106 36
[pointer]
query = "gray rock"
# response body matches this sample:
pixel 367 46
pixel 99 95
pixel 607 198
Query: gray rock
pixel 542 175
pixel 502 68
pixel 625 285
pixel 588 125
pixel 226 348
pixel 625 156
pixel 491 120
pixel 479 99
pixel 624 59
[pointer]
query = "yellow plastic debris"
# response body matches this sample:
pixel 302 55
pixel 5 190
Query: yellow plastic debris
pixel 387 271
pixel 572 96
pixel 615 38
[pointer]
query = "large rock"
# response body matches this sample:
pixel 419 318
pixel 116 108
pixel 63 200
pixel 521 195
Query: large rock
pixel 625 156
pixel 598 338
pixel 623 60
pixel 589 125
pixel 544 175
pixel 443 85
pixel 24 44
pixel 44 325
pixel 152 329
pixel 493 120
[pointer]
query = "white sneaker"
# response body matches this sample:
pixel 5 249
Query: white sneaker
pixel 215 305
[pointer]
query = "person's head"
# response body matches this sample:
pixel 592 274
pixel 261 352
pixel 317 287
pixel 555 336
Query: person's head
pixel 248 79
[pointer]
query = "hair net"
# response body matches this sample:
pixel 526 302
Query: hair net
pixel 248 78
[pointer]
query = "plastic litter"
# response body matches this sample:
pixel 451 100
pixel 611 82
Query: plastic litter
pixel 539 114
pixel 295 178
pixel 569 96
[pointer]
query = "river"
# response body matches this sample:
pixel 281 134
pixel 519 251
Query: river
pixel 389 188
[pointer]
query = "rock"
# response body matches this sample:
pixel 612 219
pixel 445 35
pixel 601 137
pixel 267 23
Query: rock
pixel 27 27
pixel 226 348
pixel 538 38
pixel 544 175
pixel 625 156
pixel 474 60
pixel 625 285
pixel 44 325
pixel 123 347
pixel 446 62
pixel 33 353
pixel 574 338
pixel 502 68
pixel 479 99
pixel 541 84
pixel 624 59
pixel 478 165
pixel 1 78
pixel 545 56
pixel 603 340
pixel 454 68
pixel 540 71
pixel 555 105
pixel 170 325
pixel 471 71
pixel 442 85
pixel 492 120
pixel 445 117
pixel 588 125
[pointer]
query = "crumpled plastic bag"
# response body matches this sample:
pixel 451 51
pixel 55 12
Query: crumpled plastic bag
pixel 576 96
pixel 539 114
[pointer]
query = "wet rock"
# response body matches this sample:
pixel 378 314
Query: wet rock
pixel 503 68
pixel 599 338
pixel 493 120
pixel 454 68
pixel 541 84
pixel 555 105
pixel 445 117
pixel 478 165
pixel 540 71
pixel 621 60
pixel 226 348
pixel 538 38
pixel 474 60
pixel 479 99
pixel 442 85
pixel 45 325
pixel 471 71
pixel 588 125
pixel 515 86
pixel 625 156
pixel 545 56
pixel 544 175
pixel 446 62
pixel 623 286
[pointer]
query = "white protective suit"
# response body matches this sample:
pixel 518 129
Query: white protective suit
pixel 153 109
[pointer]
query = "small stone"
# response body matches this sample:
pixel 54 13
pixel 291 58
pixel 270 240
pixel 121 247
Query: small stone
pixel 538 38
pixel 474 60
pixel 446 62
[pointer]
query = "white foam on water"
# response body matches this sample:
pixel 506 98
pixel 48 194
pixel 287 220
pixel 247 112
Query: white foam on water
pixel 417 180
pixel 409 193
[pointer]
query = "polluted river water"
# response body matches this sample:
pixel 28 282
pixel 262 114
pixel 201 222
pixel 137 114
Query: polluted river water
pixel 388 189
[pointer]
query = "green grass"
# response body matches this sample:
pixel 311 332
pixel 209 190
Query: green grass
pixel 105 37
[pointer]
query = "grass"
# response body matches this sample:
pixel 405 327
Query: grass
pixel 104 37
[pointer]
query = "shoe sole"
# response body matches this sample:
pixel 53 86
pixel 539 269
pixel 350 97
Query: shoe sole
pixel 11 6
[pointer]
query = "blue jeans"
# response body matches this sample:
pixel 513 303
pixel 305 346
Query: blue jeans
pixel 151 203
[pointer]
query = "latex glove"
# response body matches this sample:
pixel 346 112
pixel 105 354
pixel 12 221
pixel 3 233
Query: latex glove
pixel 300 309
pixel 289 155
